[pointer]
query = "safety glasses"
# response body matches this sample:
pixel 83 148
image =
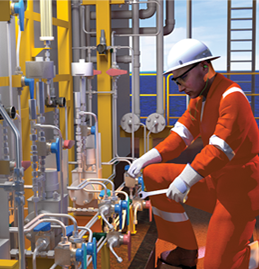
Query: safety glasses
pixel 180 80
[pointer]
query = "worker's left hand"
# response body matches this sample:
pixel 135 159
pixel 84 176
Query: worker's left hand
pixel 178 190
pixel 180 187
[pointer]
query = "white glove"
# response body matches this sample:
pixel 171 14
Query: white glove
pixel 152 156
pixel 180 187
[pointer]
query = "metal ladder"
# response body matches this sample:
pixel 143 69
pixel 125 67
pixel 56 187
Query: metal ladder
pixel 241 48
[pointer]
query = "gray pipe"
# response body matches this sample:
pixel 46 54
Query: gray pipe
pixel 136 67
pixel 189 19
pixel 75 37
pixel 169 21
pixel 19 193
pixel 188 30
pixel 82 36
pixel 160 65
pixel 167 29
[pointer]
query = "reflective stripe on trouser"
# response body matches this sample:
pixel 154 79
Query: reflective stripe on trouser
pixel 231 195
pixel 173 224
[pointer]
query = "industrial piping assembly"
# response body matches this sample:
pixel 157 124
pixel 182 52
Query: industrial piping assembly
pixel 62 199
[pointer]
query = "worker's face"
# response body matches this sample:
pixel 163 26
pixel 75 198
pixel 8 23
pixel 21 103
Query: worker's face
pixel 190 79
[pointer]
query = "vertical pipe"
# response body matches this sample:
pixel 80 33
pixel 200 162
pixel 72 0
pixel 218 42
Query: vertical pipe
pixel 10 74
pixel 160 61
pixel 188 31
pixel 82 35
pixel 19 193
pixel 75 37
pixel 114 116
pixel 189 19
pixel 135 70
pixel 135 41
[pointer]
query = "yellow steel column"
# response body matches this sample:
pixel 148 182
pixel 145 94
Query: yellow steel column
pixel 104 101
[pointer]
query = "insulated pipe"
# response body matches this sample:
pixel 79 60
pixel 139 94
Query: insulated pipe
pixel 160 65
pixel 19 182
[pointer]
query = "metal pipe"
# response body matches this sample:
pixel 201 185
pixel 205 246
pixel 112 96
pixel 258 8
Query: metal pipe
pixel 84 183
pixel 82 34
pixel 19 181
pixel 98 163
pixel 53 266
pixel 188 31
pixel 61 158
pixel 90 232
pixel 42 245
pixel 75 36
pixel 63 227
pixel 54 215
pixel 160 65
pixel 189 19
pixel 169 21
pixel 89 224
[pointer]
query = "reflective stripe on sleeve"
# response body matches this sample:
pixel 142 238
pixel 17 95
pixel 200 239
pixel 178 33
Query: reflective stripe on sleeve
pixel 222 145
pixel 234 89
pixel 183 132
pixel 168 216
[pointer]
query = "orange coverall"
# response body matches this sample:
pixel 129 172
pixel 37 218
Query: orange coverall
pixel 229 164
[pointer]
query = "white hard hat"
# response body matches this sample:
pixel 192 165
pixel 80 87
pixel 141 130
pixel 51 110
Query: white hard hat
pixel 186 52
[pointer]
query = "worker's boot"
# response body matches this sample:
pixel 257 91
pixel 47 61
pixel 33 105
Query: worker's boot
pixel 180 257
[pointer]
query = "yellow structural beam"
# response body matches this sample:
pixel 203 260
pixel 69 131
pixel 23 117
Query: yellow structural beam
pixel 9 264
pixel 104 102
pixel 5 10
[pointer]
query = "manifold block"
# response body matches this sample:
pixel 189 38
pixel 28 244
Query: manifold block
pixel 40 69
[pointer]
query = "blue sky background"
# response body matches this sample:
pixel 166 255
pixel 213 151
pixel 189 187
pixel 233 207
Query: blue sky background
pixel 209 25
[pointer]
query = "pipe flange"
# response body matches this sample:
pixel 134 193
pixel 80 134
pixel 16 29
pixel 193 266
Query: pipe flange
pixel 155 123
pixel 127 122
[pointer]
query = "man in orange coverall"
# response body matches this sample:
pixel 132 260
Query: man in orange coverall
pixel 223 178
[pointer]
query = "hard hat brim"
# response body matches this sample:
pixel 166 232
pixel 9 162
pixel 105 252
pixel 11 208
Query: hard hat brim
pixel 211 58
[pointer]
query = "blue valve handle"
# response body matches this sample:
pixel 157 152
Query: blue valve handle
pixel 30 82
pixel 118 210
pixel 102 193
pixel 126 167
pixel 141 182
pixel 55 149
pixel 92 250
pixel 19 9
pixel 125 206
pixel 81 255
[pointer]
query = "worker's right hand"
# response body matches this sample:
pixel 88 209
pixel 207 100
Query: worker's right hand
pixel 152 156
